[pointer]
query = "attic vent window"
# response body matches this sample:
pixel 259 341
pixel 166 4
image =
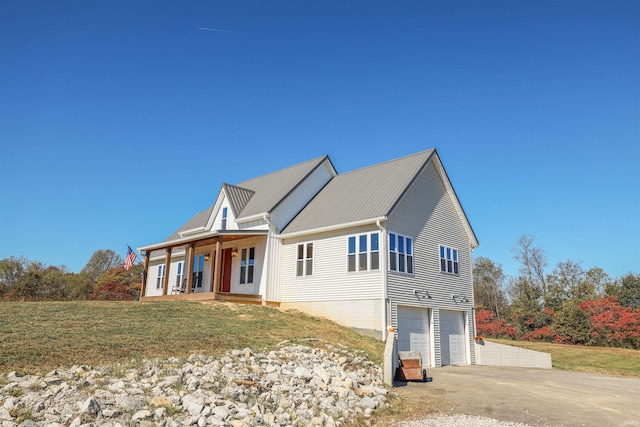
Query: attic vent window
pixel 224 219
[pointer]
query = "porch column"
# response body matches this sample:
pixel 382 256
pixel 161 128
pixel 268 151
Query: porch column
pixel 167 264
pixel 218 266
pixel 143 291
pixel 189 271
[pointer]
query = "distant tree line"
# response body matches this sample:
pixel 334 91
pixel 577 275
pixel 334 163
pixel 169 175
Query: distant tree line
pixel 102 278
pixel 567 305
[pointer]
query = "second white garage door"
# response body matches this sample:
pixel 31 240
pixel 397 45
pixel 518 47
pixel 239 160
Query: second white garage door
pixel 413 332
pixel 452 341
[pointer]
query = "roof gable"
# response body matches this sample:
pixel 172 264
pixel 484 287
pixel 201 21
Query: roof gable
pixel 270 189
pixel 366 193
pixel 252 197
pixel 456 202
pixel 238 197
pixel 371 193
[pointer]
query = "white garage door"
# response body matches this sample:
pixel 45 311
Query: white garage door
pixel 452 342
pixel 413 332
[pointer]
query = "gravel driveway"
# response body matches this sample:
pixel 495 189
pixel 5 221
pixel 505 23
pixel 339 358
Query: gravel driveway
pixel 533 397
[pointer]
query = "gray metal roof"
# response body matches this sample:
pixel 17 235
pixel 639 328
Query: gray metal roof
pixel 270 189
pixel 198 220
pixel 256 196
pixel 238 197
pixel 363 194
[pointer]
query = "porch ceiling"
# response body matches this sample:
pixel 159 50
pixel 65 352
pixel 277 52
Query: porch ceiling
pixel 206 239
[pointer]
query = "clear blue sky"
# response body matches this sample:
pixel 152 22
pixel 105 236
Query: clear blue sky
pixel 119 120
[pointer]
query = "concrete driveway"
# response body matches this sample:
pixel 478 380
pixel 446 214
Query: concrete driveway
pixel 537 397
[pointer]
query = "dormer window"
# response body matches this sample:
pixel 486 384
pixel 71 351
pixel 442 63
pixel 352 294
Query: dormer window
pixel 224 219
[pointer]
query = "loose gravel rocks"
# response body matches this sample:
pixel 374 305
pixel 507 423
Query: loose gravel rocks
pixel 293 385
pixel 459 421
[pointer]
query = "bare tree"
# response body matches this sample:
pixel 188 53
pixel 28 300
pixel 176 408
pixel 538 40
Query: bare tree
pixel 533 261
pixel 488 286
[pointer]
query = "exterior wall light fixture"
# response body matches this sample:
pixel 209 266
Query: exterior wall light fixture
pixel 459 298
pixel 421 293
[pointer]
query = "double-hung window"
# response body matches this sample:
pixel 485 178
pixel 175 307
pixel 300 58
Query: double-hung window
pixel 449 260
pixel 304 261
pixel 363 252
pixel 179 274
pixel 160 280
pixel 247 261
pixel 224 219
pixel 400 253
pixel 198 270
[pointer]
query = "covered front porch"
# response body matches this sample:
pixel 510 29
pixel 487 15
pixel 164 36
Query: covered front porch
pixel 221 265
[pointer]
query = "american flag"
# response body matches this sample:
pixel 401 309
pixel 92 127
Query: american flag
pixel 131 257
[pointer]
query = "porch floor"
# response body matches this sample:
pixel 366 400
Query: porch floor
pixel 208 296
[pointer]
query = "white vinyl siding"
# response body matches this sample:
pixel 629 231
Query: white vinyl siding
pixel 273 271
pixel 152 278
pixel 253 270
pixel 224 219
pixel 427 212
pixel 331 288
pixel 330 279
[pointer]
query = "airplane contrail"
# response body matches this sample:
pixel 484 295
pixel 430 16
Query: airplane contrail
pixel 217 30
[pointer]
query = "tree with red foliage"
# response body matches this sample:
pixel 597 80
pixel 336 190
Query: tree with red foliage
pixel 119 284
pixel 539 326
pixel 111 291
pixel 488 325
pixel 613 324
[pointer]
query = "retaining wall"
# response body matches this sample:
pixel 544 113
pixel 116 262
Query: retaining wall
pixel 494 354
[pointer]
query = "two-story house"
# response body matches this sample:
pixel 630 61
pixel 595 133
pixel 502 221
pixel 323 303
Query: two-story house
pixel 386 245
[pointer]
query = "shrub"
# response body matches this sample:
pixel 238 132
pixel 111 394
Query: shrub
pixel 488 325
pixel 613 325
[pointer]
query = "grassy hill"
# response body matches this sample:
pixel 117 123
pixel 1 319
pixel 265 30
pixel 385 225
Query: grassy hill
pixel 600 360
pixel 36 337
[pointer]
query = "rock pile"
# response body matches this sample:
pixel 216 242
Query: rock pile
pixel 292 386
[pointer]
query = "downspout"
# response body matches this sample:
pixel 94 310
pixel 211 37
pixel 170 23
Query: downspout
pixel 383 259
pixel 267 219
pixel 268 261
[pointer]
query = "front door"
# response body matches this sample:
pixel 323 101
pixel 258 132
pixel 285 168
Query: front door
pixel 225 282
